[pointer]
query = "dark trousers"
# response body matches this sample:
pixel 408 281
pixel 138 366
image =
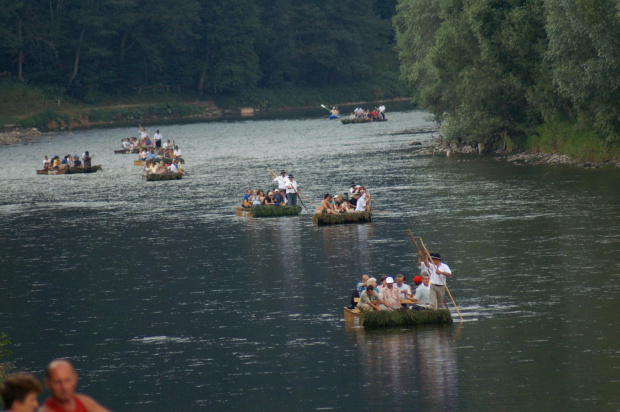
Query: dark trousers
pixel 291 198
pixel 157 143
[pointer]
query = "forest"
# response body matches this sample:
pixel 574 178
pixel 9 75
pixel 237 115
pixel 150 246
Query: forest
pixel 86 49
pixel 505 72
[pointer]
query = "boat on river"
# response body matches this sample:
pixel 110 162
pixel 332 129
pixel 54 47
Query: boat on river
pixel 361 120
pixel 398 318
pixel 153 177
pixel 69 170
pixel 322 219
pixel 334 116
pixel 127 151
pixel 268 211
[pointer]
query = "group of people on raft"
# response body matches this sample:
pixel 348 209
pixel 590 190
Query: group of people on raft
pixel 378 114
pixel 357 199
pixel 429 286
pixel 130 143
pixel 55 163
pixel 152 153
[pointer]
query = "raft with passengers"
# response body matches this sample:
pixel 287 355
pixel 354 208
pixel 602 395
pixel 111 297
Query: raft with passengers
pixel 68 165
pixel 360 115
pixel 395 304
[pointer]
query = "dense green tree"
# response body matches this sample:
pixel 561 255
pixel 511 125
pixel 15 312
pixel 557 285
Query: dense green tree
pixel 584 52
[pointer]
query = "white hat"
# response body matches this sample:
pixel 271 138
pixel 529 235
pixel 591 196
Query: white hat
pixel 389 280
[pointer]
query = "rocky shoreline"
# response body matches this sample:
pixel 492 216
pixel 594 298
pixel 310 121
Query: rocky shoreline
pixel 12 135
pixel 439 147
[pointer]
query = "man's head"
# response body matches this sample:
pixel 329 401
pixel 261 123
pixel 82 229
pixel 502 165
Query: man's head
pixel 436 258
pixel 389 282
pixel 61 380
pixel 426 279
pixel 364 278
pixel 399 280
pixel 20 392
pixel 282 172
pixel 249 192
pixel 290 177
pixel 370 290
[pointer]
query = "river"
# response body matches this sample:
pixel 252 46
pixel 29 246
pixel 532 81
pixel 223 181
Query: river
pixel 164 300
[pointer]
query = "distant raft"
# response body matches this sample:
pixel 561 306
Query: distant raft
pixel 377 319
pixel 322 219
pixel 69 170
pixel 268 211
pixel 153 177
pixel 361 120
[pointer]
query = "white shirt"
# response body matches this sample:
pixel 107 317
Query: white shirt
pixel 422 294
pixel 174 168
pixel 281 182
pixel 166 145
pixel 157 136
pixel 405 289
pixel 382 108
pixel 361 204
pixel 143 134
pixel 126 144
pixel 291 186
pixel 177 153
pixel 435 278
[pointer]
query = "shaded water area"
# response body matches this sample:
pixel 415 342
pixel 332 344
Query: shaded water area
pixel 164 300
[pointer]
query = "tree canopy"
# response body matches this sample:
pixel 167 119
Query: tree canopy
pixel 491 68
pixel 89 47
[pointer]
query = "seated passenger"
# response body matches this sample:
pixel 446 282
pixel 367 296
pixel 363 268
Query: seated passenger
pixel 261 197
pixel 255 198
pixel 342 206
pixel 174 167
pixel 143 154
pixel 150 154
pixel 390 295
pixel 56 162
pixel 76 161
pixel 422 298
pixel 369 300
pixel 167 144
pixel 327 205
pixel 268 199
pixel 246 202
pixel 363 202
pixel 46 163
pixel 278 199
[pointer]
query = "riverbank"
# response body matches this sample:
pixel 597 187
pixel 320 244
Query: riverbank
pixel 440 147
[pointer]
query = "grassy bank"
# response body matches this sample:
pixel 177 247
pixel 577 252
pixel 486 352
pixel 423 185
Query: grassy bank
pixel 571 140
pixel 28 106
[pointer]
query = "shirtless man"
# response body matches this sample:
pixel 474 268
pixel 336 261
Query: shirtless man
pixel 327 205
pixel 61 380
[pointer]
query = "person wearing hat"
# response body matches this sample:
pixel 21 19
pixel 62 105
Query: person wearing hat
pixel 292 190
pixel 281 180
pixel 354 188
pixel 390 295
pixel 438 272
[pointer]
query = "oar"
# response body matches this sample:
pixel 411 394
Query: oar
pixel 302 202
pixel 442 281
pixel 326 108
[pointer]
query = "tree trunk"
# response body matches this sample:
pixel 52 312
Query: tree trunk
pixel 76 65
pixel 203 76
pixel 20 62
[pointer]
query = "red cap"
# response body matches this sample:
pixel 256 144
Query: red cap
pixel 417 280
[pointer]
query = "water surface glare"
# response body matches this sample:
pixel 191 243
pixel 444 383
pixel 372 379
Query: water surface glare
pixel 164 300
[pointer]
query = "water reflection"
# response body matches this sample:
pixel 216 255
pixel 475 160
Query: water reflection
pixel 418 367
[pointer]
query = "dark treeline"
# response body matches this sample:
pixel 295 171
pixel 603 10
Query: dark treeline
pixel 89 48
pixel 491 69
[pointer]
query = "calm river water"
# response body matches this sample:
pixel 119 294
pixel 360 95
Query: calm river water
pixel 165 301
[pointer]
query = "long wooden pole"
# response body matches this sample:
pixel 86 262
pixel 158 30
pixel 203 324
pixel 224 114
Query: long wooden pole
pixel 442 281
pixel 418 247
pixel 306 197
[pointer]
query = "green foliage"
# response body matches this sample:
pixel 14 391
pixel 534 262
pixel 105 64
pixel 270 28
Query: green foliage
pixel 274 211
pixel 572 139
pixel 492 70
pixel 341 218
pixel 402 318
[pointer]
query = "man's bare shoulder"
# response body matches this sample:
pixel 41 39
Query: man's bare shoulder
pixel 90 404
